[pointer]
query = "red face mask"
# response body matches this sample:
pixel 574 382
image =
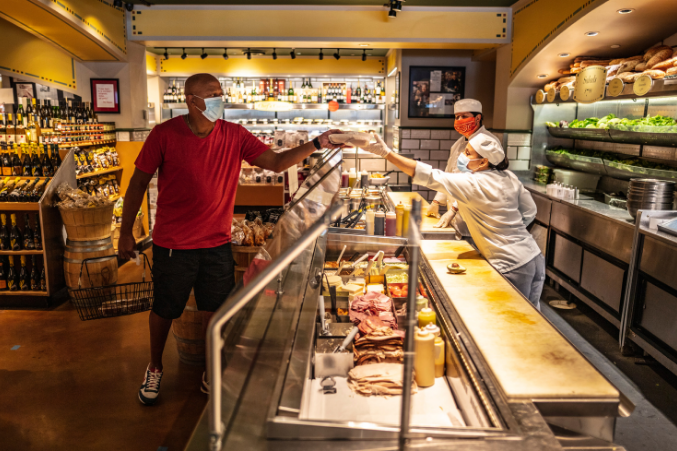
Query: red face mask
pixel 465 126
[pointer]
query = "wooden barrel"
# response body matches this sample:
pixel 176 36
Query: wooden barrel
pixel 102 271
pixel 244 255
pixel 87 224
pixel 190 340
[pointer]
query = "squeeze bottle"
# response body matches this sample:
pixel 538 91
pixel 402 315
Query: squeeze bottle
pixel 370 222
pixel 405 220
pixel 379 223
pixel 391 223
pixel 426 316
pixel 399 211
pixel 424 358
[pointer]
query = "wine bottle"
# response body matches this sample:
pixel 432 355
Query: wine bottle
pixel 47 167
pixel 37 235
pixel 6 162
pixel 4 234
pixel 24 276
pixel 28 234
pixel 12 276
pixel 36 165
pixel 35 278
pixel 15 238
pixel 3 276
pixel 43 279
pixel 26 162
pixel 56 158
pixel 17 169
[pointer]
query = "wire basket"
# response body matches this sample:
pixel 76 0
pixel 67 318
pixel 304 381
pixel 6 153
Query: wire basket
pixel 113 300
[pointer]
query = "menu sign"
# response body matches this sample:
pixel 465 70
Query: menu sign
pixel 615 87
pixel 590 84
pixel 551 95
pixel 642 85
pixel 540 96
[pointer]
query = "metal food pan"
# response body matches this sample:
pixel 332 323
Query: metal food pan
pixel 591 134
pixel 648 138
pixel 581 163
pixel 627 172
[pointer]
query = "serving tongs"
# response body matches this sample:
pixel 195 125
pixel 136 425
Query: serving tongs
pixel 346 270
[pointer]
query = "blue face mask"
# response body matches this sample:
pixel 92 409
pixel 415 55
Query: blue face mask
pixel 462 163
pixel 213 108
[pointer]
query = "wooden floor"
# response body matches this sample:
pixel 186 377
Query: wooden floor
pixel 67 384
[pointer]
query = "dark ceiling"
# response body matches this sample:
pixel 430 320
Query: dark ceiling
pixel 328 3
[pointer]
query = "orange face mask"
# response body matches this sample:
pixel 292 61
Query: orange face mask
pixel 465 126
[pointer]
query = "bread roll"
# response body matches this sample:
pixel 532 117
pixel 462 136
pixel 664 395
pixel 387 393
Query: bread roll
pixel 547 87
pixel 580 59
pixel 671 71
pixel 566 79
pixel 640 67
pixel 628 66
pixel 667 64
pixel 585 64
pixel 674 53
pixel 661 55
pixel 564 71
pixel 633 58
pixel 576 70
pixel 655 74
pixel 611 72
pixel 652 51
pixel 616 61
pixel 627 77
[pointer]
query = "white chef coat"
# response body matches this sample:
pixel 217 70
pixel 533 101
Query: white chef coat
pixel 444 199
pixel 496 208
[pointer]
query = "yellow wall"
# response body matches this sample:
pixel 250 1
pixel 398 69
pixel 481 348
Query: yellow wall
pixel 304 66
pixel 45 64
pixel 151 63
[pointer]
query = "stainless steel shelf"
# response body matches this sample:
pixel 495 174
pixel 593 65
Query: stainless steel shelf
pixel 295 106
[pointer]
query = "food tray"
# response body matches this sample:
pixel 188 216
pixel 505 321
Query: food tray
pixel 650 138
pixel 590 165
pixel 627 172
pixel 590 134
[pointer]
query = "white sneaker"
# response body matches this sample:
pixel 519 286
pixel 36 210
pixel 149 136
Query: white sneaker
pixel 204 388
pixel 150 389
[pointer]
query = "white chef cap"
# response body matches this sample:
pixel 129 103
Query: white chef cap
pixel 488 148
pixel 467 106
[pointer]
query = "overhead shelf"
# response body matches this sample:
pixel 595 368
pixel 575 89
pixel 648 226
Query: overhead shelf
pixel 661 87
pixel 615 136
pixel 295 106
pixel 95 173
pixel 85 144
pixel 599 166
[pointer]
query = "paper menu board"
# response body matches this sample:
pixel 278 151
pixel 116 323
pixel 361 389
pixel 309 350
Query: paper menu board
pixel 105 95
pixel 436 81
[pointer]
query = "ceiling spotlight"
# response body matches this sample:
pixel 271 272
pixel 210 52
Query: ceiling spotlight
pixel 184 54
pixel 293 54
pixel 615 46
pixel 625 11
pixel 249 54
pixel 364 55
pixel 274 55
pixel 336 55
pixel 563 55
pixel 396 5
pixel 166 55
pixel 592 33
pixel 117 3
pixel 204 54
pixel 129 6
pixel 225 54
pixel 542 75
pixel 321 55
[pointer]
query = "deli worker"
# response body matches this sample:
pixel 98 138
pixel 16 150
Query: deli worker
pixel 468 122
pixel 496 207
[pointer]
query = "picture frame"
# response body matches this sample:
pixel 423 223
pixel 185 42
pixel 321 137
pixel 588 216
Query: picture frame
pixel 105 95
pixel 433 90
pixel 397 94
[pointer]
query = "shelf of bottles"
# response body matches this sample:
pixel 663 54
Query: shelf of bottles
pixel 22 268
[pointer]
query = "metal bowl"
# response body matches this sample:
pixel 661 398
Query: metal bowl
pixel 634 207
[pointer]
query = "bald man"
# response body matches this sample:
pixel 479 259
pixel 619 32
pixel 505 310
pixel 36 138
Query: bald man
pixel 198 158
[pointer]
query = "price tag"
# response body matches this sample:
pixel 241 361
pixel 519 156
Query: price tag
pixel 564 93
pixel 590 84
pixel 540 96
pixel 642 85
pixel 615 87
pixel 551 95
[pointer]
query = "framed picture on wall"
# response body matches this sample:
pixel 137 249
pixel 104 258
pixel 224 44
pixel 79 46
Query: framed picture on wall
pixel 105 95
pixel 397 95
pixel 433 90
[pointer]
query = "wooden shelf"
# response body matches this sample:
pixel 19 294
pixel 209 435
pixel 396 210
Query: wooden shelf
pixel 23 252
pixel 95 173
pixel 23 293
pixel 85 144
pixel 19 206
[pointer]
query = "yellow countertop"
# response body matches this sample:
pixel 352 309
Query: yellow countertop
pixel 427 223
pixel 528 356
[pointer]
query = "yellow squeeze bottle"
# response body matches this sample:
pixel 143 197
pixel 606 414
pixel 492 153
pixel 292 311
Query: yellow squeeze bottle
pixel 424 360
pixel 399 211
pixel 426 316
pixel 405 220
pixel 439 349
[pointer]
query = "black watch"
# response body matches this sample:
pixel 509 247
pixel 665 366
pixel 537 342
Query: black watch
pixel 316 143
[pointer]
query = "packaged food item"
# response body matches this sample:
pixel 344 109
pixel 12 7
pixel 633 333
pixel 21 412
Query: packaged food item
pixel 279 139
pixel 301 137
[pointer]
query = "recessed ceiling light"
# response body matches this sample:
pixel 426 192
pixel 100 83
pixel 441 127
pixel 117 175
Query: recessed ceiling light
pixel 615 46
pixel 625 11
pixel 592 33
pixel 563 55
pixel 364 45
pixel 542 75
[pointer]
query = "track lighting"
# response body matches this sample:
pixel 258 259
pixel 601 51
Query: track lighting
pixel 397 6
pixel 204 54
pixel 336 55
pixel 184 54
pixel 225 54
pixel 321 55
pixel 274 55
pixel 293 54
pixel 364 55
pixel 166 54
pixel 249 54
pixel 117 3
pixel 129 7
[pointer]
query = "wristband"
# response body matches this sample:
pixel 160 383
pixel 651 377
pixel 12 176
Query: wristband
pixel 316 143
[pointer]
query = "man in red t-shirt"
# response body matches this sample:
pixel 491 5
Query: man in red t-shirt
pixel 198 158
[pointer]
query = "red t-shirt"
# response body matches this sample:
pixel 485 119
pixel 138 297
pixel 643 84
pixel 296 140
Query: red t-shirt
pixel 197 180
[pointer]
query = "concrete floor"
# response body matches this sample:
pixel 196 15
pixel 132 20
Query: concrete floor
pixel 69 385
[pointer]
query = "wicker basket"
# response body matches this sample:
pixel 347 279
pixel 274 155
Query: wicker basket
pixel 87 224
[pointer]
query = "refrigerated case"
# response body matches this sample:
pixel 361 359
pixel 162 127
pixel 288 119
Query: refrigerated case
pixel 501 388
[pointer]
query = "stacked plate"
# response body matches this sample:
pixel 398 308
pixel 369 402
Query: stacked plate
pixel 650 194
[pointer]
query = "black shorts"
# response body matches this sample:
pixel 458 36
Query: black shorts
pixel 209 271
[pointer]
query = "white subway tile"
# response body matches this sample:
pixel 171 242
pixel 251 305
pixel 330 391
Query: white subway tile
pixel 430 144
pixel 422 154
pixel 524 153
pixel 440 134
pixel 409 144
pixel 519 165
pixel 420 134
pixel 519 139
pixel 439 155
pixel 512 153
pixel 373 165
pixel 406 134
pixel 446 144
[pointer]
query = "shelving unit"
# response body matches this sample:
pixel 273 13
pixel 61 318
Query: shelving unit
pixel 24 293
pixel 295 106
pixel 102 172
pixel 85 144
pixel 19 206
pixel 23 252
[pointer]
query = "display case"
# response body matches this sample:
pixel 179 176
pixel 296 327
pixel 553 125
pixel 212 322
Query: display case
pixel 265 345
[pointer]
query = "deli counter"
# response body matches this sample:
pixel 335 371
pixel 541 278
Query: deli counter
pixel 507 379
